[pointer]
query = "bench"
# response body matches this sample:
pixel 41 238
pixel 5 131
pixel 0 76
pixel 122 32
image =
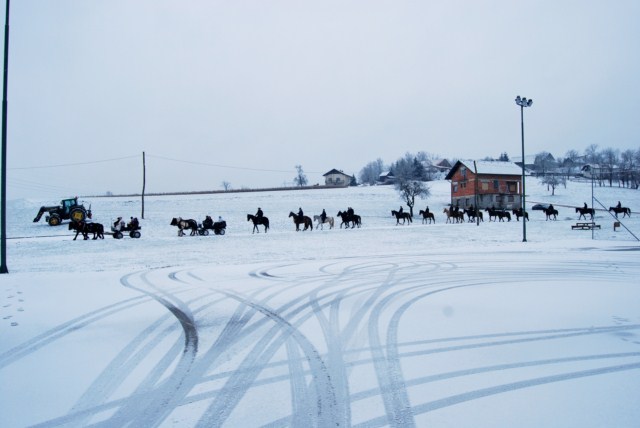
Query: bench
pixel 585 226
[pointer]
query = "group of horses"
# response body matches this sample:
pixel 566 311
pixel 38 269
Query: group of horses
pixel 306 223
pixel 85 228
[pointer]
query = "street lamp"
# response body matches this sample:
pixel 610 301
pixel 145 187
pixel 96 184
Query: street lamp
pixel 523 102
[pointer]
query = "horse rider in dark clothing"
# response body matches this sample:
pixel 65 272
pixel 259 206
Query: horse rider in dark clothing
pixel 300 213
pixel 401 210
pixel 259 213
pixel 323 216
pixel 350 211
pixel 619 205
pixel 585 206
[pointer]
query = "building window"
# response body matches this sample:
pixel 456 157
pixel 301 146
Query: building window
pixel 485 185
pixel 455 187
pixel 496 185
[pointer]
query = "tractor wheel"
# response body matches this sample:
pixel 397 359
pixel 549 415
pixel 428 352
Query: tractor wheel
pixel 135 234
pixel 117 234
pixel 54 220
pixel 221 232
pixel 78 214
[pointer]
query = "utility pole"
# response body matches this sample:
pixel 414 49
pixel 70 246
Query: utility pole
pixel 3 191
pixel 144 182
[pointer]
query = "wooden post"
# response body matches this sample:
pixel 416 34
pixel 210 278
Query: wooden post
pixel 144 182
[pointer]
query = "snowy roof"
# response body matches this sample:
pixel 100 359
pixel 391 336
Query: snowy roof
pixel 335 171
pixel 487 168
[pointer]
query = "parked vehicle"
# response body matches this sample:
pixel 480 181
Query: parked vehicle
pixel 69 209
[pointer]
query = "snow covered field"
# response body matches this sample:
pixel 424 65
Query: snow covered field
pixel 420 325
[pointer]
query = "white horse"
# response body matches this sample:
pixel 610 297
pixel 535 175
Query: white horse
pixel 326 220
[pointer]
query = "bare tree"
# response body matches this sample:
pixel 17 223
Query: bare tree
pixel 370 174
pixel 554 180
pixel 410 189
pixel 301 178
pixel 226 186
pixel 609 162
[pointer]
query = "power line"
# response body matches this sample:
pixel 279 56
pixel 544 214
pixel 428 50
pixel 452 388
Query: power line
pixel 76 164
pixel 227 166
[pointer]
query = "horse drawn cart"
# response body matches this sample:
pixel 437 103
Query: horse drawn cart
pixel 119 228
pixel 208 224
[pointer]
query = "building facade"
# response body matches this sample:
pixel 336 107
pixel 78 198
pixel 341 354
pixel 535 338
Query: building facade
pixel 496 184
pixel 336 178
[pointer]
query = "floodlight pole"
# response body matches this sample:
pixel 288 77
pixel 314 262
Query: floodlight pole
pixel 523 102
pixel 3 187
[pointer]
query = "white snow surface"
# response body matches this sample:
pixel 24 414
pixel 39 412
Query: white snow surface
pixel 439 325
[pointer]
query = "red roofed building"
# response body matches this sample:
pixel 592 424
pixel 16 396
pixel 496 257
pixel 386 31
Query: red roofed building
pixel 497 184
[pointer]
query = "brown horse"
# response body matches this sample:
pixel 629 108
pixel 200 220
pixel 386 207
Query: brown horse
pixel 304 220
pixel 457 216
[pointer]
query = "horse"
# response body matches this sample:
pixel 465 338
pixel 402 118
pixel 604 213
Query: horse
pixel 472 214
pixel 584 211
pixel 349 218
pixel 499 214
pixel 518 212
pixel 624 210
pixel 298 220
pixel 327 219
pixel 185 224
pixel 427 216
pixel 258 221
pixel 86 228
pixel 551 212
pixel 401 216
pixel 458 216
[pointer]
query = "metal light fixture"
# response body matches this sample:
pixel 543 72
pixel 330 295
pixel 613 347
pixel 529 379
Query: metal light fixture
pixel 523 102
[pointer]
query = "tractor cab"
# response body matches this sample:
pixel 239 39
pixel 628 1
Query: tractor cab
pixel 67 204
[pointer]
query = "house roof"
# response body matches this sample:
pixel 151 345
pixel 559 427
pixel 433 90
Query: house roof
pixel 487 168
pixel 335 171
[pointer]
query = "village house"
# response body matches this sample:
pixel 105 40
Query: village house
pixel 336 178
pixel 497 184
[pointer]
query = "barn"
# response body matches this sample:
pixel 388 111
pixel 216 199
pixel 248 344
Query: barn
pixel 496 184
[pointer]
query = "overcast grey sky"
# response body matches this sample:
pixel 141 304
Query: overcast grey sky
pixel 242 91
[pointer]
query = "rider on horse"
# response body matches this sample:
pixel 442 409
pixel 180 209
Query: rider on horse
pixel 323 216
pixel 300 213
pixel 259 213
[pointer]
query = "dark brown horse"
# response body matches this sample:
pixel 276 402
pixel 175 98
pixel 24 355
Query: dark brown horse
pixel 304 220
pixel 473 213
pixel 499 214
pixel 427 216
pixel 258 221
pixel 624 210
pixel 347 218
pixel 86 228
pixel 401 216
pixel 518 212
pixel 551 212
pixel 584 211
pixel 185 224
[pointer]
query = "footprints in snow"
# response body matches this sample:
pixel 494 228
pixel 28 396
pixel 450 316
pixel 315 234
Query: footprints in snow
pixel 6 311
